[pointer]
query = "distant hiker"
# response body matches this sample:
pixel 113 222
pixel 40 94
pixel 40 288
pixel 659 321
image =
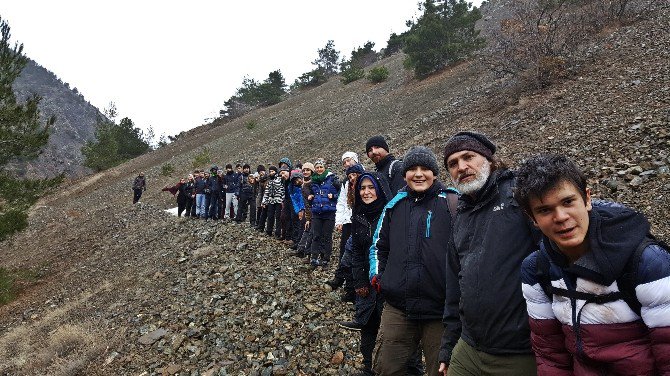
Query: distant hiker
pixel 345 200
pixel 261 211
pixel 181 193
pixel 287 210
pixel 298 207
pixel 272 200
pixel 598 288
pixel 407 264
pixel 324 188
pixel 232 186
pixel 190 196
pixel 245 194
pixel 200 185
pixel 305 244
pixel 139 186
pixel 207 192
pixel 255 186
pixel 377 150
pixel 485 319
pixel 214 185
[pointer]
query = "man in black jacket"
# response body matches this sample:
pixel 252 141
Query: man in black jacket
pixel 385 163
pixel 245 194
pixel 486 324
pixel 407 265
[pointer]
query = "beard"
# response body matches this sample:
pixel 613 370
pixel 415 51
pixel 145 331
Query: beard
pixel 478 183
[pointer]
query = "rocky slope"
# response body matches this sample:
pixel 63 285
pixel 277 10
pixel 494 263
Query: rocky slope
pixel 75 123
pixel 125 289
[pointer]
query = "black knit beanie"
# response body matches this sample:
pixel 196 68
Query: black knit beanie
pixel 260 168
pixel 420 156
pixel 473 141
pixel 273 168
pixel 376 141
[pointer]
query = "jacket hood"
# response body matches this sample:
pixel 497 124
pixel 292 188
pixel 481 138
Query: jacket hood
pixel 489 189
pixel 381 183
pixel 614 234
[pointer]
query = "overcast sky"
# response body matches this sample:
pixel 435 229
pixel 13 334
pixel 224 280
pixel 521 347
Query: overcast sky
pixel 172 64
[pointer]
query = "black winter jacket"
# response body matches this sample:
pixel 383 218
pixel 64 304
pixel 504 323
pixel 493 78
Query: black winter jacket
pixel 246 189
pixel 409 250
pixel 391 169
pixel 491 238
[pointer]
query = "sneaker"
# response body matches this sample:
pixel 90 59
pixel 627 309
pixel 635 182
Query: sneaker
pixel 315 262
pixel 335 283
pixel 351 325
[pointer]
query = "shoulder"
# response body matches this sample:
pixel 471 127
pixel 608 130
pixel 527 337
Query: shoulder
pixel 654 264
pixel 400 196
pixel 529 269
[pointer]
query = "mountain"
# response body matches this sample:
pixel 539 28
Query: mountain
pixel 115 288
pixel 75 123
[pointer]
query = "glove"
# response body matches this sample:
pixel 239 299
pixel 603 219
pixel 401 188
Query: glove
pixel 362 292
pixel 376 283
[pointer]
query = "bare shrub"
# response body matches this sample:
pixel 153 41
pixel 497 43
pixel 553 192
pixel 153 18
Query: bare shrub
pixel 545 40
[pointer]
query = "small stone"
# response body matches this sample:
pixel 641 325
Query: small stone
pixel 637 181
pixel 338 358
pixel 241 246
pixel 151 337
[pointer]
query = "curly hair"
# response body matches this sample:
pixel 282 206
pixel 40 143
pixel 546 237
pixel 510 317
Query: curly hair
pixel 541 173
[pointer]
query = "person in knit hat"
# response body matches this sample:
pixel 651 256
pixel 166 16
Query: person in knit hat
pixel 407 265
pixel 325 188
pixel 377 150
pixel 485 317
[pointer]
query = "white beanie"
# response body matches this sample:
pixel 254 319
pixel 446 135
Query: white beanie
pixel 350 154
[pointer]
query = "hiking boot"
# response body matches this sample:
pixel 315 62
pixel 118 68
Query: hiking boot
pixel 335 283
pixel 315 262
pixel 351 325
pixel 348 297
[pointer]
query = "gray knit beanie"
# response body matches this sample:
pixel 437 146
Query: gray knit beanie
pixel 420 156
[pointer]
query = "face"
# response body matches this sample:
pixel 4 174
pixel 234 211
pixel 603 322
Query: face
pixel 348 162
pixel 202 174
pixel 284 175
pixel 352 177
pixel 262 173
pixel 563 216
pixel 251 179
pixel 320 169
pixel 239 169
pixel 272 173
pixel 182 180
pixel 245 170
pixel 307 172
pixel 190 176
pixel 469 171
pixel 229 170
pixel 297 182
pixel 419 178
pixel 368 192
pixel 376 154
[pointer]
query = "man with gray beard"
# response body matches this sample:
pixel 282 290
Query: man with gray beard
pixel 487 330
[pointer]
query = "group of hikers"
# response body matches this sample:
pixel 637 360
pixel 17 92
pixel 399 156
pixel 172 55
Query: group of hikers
pixel 505 272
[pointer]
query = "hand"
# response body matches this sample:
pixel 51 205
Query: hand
pixel 263 206
pixel 306 225
pixel 301 214
pixel 376 283
pixel 330 195
pixel 310 197
pixel 338 228
pixel 443 369
pixel 363 292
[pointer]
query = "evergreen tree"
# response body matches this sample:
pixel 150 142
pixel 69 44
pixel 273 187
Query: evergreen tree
pixel 328 59
pixel 443 35
pixel 22 134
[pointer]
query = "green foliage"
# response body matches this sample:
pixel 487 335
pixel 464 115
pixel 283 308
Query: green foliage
pixel 114 144
pixel 352 74
pixel 312 78
pixel 202 159
pixel 394 44
pixel 11 282
pixel 251 124
pixel 22 135
pixel 253 94
pixel 443 35
pixel 16 196
pixel 378 74
pixel 328 59
pixel 167 169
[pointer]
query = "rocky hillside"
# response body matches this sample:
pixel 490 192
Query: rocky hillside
pixel 122 289
pixel 75 123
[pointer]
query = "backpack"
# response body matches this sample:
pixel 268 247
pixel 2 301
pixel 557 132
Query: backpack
pixel 626 281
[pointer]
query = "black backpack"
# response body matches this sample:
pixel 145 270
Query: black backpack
pixel 626 281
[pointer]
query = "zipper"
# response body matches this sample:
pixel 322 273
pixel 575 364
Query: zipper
pixel 428 218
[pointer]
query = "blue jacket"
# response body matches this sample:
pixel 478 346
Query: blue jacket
pixel 232 182
pixel 321 204
pixel 296 197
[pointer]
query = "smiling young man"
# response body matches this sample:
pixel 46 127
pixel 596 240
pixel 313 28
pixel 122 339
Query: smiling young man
pixel 485 314
pixel 407 265
pixel 598 289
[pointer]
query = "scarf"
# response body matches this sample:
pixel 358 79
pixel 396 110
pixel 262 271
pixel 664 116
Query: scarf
pixel 320 178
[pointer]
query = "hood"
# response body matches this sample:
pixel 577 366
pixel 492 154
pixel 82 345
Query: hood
pixel 614 234
pixel 382 183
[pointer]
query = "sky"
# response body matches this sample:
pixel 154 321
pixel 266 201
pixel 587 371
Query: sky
pixel 171 64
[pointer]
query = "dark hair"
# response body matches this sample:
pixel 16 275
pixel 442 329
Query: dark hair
pixel 238 165
pixel 540 174
pixel 229 166
pixel 246 165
